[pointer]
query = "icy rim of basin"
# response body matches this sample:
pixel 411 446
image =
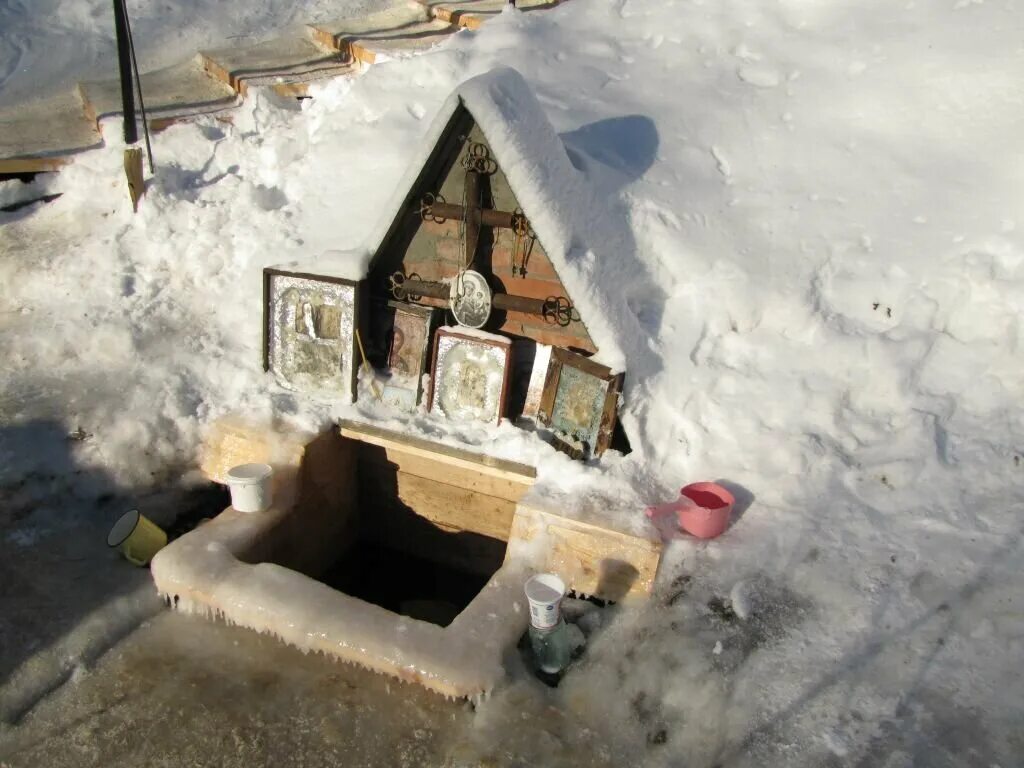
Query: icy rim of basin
pixel 200 573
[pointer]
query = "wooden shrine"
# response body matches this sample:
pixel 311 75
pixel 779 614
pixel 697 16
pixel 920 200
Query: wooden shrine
pixel 462 214
pixel 402 554
pixel 461 309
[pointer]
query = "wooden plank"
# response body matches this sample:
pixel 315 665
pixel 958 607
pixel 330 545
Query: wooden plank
pixel 323 521
pixel 609 416
pixel 514 472
pixel 446 506
pixel 574 335
pixel 472 14
pixel 37 133
pixel 185 89
pixel 547 399
pixel 292 90
pixel 593 560
pixel 445 472
pixel 288 60
pixel 398 30
pixel 32 164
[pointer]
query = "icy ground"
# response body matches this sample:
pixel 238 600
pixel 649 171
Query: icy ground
pixel 822 214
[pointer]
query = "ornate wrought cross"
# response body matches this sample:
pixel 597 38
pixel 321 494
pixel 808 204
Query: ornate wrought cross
pixel 478 163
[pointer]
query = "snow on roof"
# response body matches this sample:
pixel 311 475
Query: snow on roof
pixel 571 222
pixel 562 209
pixel 348 265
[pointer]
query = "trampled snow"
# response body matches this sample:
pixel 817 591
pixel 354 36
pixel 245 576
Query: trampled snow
pixel 819 210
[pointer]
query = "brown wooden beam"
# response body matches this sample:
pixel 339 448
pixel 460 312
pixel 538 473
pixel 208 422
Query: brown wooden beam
pixel 488 217
pixel 473 213
pixel 501 301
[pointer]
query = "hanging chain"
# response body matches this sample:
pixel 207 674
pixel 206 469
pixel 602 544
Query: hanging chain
pixel 471 258
pixel 462 221
pixel 476 160
pixel 523 243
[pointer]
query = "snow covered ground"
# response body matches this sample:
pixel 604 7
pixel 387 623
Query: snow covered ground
pixel 823 202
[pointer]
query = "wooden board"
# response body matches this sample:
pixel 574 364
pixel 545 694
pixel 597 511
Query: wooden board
pixel 452 475
pixel 446 506
pixel 40 134
pixel 183 89
pixel 324 518
pixel 400 29
pixel 593 560
pixel 15 165
pixel 472 14
pixel 288 60
pixel 516 478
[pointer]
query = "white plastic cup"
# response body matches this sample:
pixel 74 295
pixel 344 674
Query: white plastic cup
pixel 545 592
pixel 250 487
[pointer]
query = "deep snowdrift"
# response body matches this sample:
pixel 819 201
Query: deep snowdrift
pixel 825 200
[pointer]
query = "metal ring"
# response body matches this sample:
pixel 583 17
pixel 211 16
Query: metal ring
pixel 558 310
pixel 426 208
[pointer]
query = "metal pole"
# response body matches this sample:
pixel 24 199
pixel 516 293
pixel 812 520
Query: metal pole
pixel 124 63
pixel 138 88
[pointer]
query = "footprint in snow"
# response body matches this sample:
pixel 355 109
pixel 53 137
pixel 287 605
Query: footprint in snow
pixel 721 162
pixel 759 77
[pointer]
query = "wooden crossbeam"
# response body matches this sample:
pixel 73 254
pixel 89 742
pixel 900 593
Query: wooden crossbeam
pixel 557 308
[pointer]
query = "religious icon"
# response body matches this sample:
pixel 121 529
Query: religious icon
pixel 408 346
pixel 309 331
pixel 579 403
pixel 470 377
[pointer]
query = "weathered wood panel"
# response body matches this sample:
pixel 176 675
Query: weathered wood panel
pixel 447 506
pixel 593 560
pixel 434 250
pixel 454 466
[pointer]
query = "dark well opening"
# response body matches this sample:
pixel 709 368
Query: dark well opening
pixel 413 526
pixel 407 553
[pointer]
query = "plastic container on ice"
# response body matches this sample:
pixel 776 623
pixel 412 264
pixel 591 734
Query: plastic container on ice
pixel 549 636
pixel 545 592
pixel 708 515
pixel 250 486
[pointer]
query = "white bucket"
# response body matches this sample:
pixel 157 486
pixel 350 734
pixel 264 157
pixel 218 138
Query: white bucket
pixel 250 487
pixel 545 592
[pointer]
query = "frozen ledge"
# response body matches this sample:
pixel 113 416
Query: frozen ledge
pixel 250 569
pixel 202 573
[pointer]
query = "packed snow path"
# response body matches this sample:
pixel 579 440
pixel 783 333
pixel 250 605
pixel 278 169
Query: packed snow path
pixel 42 134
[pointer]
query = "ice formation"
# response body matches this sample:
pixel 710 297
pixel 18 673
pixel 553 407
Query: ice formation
pixel 203 573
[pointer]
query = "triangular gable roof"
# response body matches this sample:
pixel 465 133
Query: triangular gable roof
pixel 565 214
pixel 561 206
